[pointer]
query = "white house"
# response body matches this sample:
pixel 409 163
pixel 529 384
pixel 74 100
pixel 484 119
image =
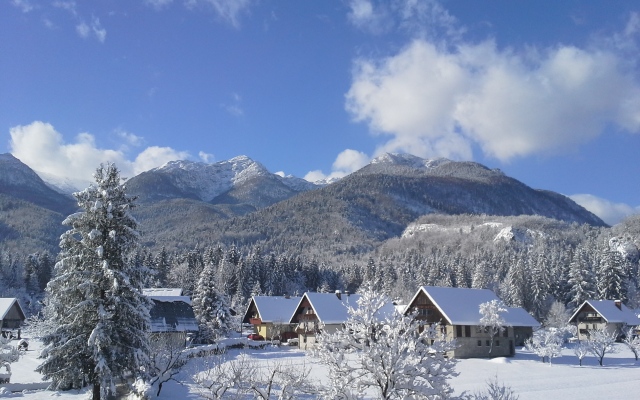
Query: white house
pixel 457 310
pixel 611 315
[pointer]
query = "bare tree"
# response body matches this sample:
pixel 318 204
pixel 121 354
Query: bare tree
pixel 393 354
pixel 632 340
pixel 239 378
pixel 495 391
pixel 601 342
pixel 167 358
pixel 546 343
pixel 491 319
pixel 581 349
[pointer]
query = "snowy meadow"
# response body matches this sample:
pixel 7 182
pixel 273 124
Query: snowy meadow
pixel 525 374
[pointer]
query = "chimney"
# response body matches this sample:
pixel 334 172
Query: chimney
pixel 339 294
pixel 618 304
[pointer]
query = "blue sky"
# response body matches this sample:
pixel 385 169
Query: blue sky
pixel 547 91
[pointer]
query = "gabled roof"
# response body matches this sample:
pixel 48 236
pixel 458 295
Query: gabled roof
pixel 330 309
pixel 162 292
pixel 273 308
pixel 518 316
pixel 610 312
pixel 166 294
pixel 6 303
pixel 172 316
pixel 461 306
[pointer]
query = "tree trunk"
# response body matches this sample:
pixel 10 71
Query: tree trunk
pixel 96 391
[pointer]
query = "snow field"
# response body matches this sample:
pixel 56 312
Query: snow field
pixel 619 378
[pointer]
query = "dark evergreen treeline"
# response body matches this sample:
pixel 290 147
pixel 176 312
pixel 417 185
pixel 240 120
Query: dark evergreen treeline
pixel 551 260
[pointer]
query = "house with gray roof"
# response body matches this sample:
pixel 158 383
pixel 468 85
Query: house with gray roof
pixel 611 315
pixel 11 316
pixel 457 310
pixel 171 313
pixel 271 315
pixel 324 312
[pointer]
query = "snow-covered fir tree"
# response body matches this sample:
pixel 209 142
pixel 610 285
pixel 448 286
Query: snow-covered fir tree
pixel 100 316
pixel 210 307
pixel 610 275
pixel 581 280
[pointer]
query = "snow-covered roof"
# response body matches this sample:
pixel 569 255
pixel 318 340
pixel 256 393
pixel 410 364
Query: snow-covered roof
pixel 461 306
pixel 6 303
pixel 610 312
pixel 172 316
pixel 331 309
pixel 166 299
pixel 518 316
pixel 162 292
pixel 274 308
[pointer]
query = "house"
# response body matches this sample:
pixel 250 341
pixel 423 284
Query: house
pixel 11 316
pixel 457 310
pixel 270 316
pixel 326 312
pixel 611 315
pixel 172 313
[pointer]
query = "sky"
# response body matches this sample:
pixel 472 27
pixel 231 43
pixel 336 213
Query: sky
pixel 546 91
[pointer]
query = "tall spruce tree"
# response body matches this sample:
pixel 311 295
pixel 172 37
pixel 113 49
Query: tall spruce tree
pixel 100 316
pixel 210 307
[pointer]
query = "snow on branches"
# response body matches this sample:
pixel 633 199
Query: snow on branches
pixel 380 349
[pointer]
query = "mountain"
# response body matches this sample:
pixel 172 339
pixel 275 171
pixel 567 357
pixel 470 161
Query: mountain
pixel 239 181
pixel 184 204
pixel 31 213
pixel 357 213
pixel 19 181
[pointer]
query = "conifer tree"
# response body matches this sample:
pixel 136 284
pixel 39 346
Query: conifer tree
pixel 210 307
pixel 100 316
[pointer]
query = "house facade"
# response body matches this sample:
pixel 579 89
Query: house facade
pixel 271 315
pixel 324 312
pixel 457 310
pixel 611 315
pixel 172 314
pixel 11 316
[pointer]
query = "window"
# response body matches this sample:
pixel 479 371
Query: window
pixel 497 343
pixel 488 342
pixel 505 333
pixel 480 343
pixel 467 330
pixel 458 330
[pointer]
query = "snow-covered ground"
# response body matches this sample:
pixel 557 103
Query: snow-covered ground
pixel 619 378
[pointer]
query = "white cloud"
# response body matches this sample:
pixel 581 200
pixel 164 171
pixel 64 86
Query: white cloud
pixel 416 17
pixel 85 30
pixel 228 10
pixel 368 17
pixel 348 161
pixel 66 5
pixel 158 4
pixel 24 5
pixel 155 156
pixel 43 149
pixel 235 107
pixel 609 212
pixel 206 157
pixel 98 30
pixel 434 101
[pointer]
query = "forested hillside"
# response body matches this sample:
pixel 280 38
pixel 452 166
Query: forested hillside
pixel 398 223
